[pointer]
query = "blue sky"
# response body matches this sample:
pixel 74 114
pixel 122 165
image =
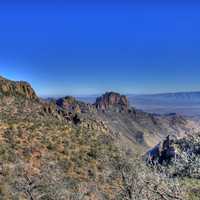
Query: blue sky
pixel 82 47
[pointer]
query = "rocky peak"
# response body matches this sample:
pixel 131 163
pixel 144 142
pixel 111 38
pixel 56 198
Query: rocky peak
pixel 73 105
pixel 112 100
pixel 69 103
pixel 16 88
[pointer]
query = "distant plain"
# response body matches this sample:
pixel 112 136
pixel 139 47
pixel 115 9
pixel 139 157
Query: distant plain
pixel 184 103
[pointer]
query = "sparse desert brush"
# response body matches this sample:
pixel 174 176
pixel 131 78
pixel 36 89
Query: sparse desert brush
pixel 45 155
pixel 139 182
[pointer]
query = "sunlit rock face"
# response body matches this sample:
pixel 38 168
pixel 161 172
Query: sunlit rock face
pixel 68 103
pixel 17 88
pixel 73 105
pixel 112 100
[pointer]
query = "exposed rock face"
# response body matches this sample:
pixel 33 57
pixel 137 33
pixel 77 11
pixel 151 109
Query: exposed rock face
pixel 49 108
pixel 132 125
pixel 112 100
pixel 18 88
pixel 69 103
pixel 164 152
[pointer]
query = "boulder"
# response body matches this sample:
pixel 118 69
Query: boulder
pixel 163 152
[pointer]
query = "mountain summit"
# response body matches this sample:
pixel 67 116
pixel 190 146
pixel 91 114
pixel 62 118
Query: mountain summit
pixel 63 148
pixel 16 88
pixel 112 100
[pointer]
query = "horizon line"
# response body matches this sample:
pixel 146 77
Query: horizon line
pixel 126 93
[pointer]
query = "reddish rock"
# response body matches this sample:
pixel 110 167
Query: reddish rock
pixel 73 105
pixel 17 88
pixel 69 103
pixel 112 100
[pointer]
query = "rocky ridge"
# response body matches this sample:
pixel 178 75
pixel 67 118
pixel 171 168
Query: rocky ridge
pixel 71 104
pixel 127 124
pixel 12 88
pixel 111 111
pixel 60 150
pixel 112 100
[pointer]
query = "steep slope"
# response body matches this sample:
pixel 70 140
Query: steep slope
pixel 112 100
pixel 44 155
pixel 179 158
pixel 70 104
pixel 140 127
pixel 19 88
pixel 132 129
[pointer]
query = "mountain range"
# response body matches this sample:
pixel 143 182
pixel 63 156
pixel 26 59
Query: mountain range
pixel 184 103
pixel 65 148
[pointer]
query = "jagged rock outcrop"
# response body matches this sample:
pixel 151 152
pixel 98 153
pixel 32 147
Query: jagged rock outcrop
pixel 134 126
pixel 112 100
pixel 17 88
pixel 181 156
pixel 163 152
pixel 72 105
pixel 49 107
pixel 69 103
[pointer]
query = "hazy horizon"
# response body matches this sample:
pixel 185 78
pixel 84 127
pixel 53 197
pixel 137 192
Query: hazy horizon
pixel 85 48
pixel 98 94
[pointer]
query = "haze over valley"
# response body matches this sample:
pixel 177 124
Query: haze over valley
pixel 115 132
pixel 184 103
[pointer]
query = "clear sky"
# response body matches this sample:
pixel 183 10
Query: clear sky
pixel 80 47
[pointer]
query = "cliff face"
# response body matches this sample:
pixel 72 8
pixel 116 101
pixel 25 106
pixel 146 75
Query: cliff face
pixel 112 100
pixel 54 147
pixel 39 137
pixel 17 88
pixel 72 105
pixel 69 103
pixel 130 123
